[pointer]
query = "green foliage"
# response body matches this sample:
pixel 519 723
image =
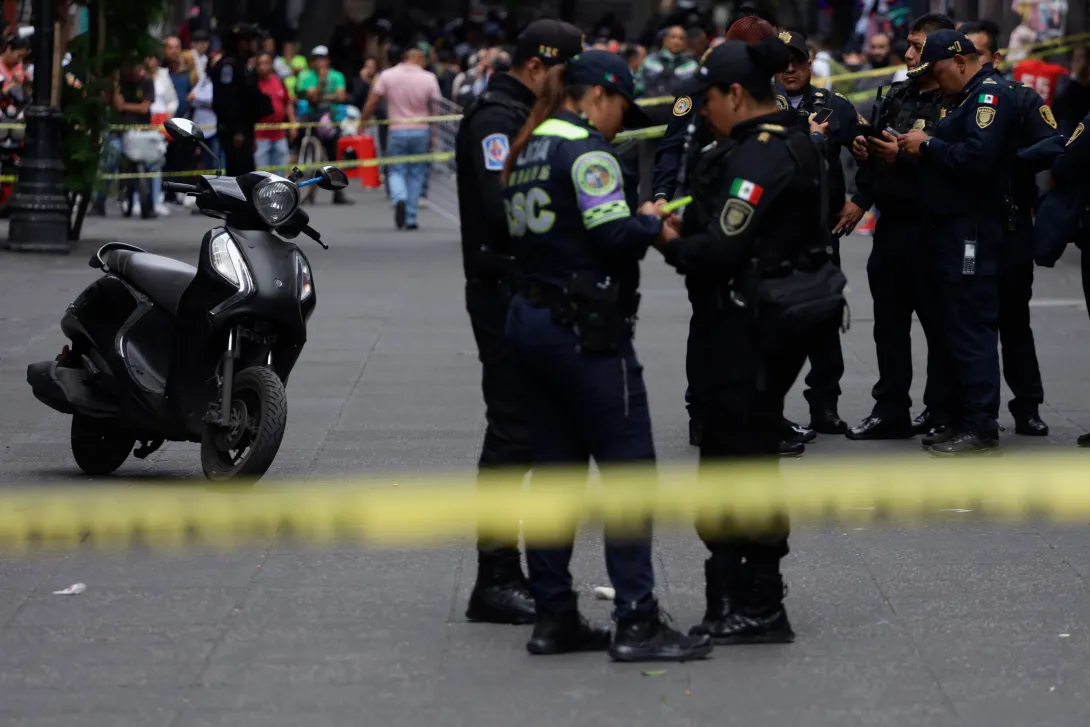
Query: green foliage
pixel 118 38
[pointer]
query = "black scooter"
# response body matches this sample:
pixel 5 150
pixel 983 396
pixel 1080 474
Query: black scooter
pixel 162 351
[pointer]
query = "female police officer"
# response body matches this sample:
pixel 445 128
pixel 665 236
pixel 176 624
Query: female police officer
pixel 757 256
pixel 578 246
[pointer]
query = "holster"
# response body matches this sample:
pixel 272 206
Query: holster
pixel 493 268
pixel 795 304
pixel 598 321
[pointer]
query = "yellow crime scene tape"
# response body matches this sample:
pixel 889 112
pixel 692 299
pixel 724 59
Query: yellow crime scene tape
pixel 377 511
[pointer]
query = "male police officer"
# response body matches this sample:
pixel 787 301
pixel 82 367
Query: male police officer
pixel 1020 367
pixel 484 137
pixel 237 99
pixel 900 268
pixel 967 164
pixel 827 360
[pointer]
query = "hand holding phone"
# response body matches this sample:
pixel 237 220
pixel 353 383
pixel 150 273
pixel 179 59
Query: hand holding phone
pixel 822 116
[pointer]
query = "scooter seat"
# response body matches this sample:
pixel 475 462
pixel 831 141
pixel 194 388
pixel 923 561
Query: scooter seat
pixel 162 279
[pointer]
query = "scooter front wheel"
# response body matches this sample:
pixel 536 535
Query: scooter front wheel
pixel 99 446
pixel 246 447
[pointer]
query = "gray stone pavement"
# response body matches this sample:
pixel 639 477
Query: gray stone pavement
pixel 958 623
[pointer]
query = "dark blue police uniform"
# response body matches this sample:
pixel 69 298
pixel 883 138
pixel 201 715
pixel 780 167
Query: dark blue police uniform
pixel 827 359
pixel 578 246
pixel 901 276
pixel 1020 367
pixel 1064 214
pixel 671 147
pixel 967 163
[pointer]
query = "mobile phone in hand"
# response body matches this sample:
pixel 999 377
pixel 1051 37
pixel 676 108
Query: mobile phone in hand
pixel 891 132
pixel 822 116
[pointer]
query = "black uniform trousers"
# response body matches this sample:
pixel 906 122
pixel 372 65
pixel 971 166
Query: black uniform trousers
pixel 1020 367
pixel 743 396
pixel 826 363
pixel 239 159
pixel 903 281
pixel 970 314
pixel 506 438
pixel 581 406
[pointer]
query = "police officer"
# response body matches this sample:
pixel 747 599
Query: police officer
pixel 967 166
pixel 900 269
pixel 758 222
pixel 489 124
pixel 686 134
pixel 827 358
pixel 237 99
pixel 664 70
pixel 1064 214
pixel 1020 367
pixel 578 246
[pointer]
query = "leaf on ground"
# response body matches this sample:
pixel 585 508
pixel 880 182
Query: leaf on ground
pixel 653 672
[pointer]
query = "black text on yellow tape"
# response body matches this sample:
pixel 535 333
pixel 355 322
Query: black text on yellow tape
pixel 426 509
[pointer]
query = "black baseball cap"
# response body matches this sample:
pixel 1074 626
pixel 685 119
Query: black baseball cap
pixel 611 72
pixel 727 63
pixel 552 41
pixel 939 46
pixel 796 42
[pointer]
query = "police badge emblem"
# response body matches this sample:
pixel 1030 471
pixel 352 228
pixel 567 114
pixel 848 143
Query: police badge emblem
pixel 735 217
pixel 985 115
pixel 682 106
pixel 919 124
pixel 1046 114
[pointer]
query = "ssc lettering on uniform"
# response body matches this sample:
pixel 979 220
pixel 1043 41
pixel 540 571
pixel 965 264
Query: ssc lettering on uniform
pixel 529 212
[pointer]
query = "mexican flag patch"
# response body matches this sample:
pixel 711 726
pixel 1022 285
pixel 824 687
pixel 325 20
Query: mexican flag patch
pixel 987 98
pixel 744 189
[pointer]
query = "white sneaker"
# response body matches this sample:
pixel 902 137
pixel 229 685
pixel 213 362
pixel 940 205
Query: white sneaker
pixel 162 210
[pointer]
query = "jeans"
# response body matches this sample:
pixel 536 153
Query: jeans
pixel 271 153
pixel 407 180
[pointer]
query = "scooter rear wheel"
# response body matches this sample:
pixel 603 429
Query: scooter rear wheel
pixel 100 446
pixel 245 449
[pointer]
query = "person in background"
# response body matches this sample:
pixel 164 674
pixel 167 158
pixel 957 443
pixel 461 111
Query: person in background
pixel 184 78
pixel 204 115
pixel 409 91
pixel 272 144
pixel 897 58
pixel 1040 75
pixel 321 85
pixel 11 63
pixel 298 65
pixel 201 43
pixel 361 86
pixel 697 41
pixel 1073 98
pixel 165 104
pixel 634 55
pixel 449 71
pixel 132 101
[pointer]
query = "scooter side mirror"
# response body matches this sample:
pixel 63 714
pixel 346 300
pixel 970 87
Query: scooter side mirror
pixel 183 130
pixel 331 178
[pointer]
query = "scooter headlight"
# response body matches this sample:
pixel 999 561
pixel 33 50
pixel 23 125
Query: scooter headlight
pixel 305 282
pixel 228 261
pixel 275 200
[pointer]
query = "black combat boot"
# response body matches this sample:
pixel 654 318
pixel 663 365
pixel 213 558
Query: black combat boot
pixel 501 594
pixel 967 444
pixel 1027 420
pixel 717 575
pixel 566 631
pixel 796 433
pixel 757 613
pixel 647 635
pixel 696 431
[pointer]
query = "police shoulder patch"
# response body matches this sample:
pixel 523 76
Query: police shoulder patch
pixel 496 147
pixel 860 119
pixel 683 106
pixel 596 174
pixel 990 82
pixel 840 95
pixel 985 115
pixel 735 217
pixel 919 124
pixel 781 101
pixel 1046 114
pixel 1076 134
pixel 227 74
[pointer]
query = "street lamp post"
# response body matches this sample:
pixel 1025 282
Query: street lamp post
pixel 39 209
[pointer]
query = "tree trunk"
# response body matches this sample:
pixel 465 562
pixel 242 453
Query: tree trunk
pixel 96 33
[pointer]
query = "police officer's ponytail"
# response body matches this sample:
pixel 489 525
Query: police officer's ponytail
pixel 548 103
pixel 769 57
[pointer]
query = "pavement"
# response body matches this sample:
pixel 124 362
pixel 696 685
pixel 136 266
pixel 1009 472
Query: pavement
pixel 956 623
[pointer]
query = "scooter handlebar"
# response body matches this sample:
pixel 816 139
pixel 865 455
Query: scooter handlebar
pixel 179 187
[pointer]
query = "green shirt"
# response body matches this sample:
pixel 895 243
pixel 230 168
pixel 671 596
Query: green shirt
pixel 308 79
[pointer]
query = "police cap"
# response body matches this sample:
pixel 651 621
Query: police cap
pixel 552 41
pixel 747 64
pixel 796 42
pixel 939 46
pixel 611 72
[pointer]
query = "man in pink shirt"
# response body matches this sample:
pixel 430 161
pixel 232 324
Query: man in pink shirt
pixel 409 90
